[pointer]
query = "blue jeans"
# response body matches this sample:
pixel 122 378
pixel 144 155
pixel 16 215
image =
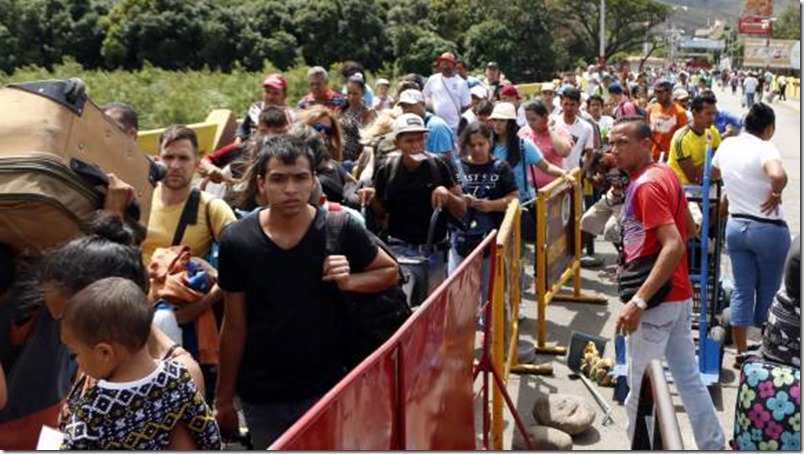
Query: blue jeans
pixel 665 332
pixel 267 422
pixel 757 251
pixel 455 260
pixel 749 99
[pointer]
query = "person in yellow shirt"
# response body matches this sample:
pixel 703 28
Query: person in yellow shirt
pixel 178 150
pixel 689 144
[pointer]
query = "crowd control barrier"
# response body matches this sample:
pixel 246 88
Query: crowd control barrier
pixel 505 290
pixel 216 131
pixel 558 257
pixel 656 424
pixel 415 391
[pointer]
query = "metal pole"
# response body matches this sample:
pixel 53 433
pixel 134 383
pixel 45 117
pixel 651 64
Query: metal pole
pixel 602 52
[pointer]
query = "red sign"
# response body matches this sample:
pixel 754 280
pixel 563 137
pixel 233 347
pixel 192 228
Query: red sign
pixel 754 26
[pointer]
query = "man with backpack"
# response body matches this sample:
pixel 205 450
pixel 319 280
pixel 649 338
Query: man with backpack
pixel 183 215
pixel 409 187
pixel 282 332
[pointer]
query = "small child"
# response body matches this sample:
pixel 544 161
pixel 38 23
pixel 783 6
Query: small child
pixel 137 402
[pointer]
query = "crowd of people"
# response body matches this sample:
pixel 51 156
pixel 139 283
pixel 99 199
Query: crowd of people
pixel 99 342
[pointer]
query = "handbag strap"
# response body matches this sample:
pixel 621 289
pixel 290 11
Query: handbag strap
pixel 189 215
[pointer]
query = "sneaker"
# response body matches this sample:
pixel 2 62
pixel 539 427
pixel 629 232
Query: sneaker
pixel 591 261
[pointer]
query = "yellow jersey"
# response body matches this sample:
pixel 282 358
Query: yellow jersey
pixel 687 144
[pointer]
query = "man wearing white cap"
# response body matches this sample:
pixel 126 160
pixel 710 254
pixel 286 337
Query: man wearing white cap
pixel 447 92
pixel 478 93
pixel 440 139
pixel 548 95
pixel 408 187
pixel 382 100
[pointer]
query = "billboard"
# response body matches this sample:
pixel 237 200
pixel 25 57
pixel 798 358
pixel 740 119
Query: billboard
pixel 772 53
pixel 754 26
pixel 758 8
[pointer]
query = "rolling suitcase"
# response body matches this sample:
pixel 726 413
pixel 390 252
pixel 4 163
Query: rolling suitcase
pixel 767 415
pixel 56 148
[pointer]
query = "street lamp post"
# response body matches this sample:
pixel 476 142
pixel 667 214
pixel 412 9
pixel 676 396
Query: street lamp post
pixel 602 53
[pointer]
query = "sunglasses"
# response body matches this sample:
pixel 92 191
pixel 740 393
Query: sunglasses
pixel 323 129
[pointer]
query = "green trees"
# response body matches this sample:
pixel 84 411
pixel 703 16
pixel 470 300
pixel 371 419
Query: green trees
pixel 789 24
pixel 530 39
pixel 627 24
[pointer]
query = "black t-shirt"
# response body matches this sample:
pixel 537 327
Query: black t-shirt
pixel 407 198
pixel 333 178
pixel 293 348
pixel 488 181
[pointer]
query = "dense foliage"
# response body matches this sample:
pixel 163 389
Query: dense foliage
pixel 532 39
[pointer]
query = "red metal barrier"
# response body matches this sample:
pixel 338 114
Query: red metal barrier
pixel 414 392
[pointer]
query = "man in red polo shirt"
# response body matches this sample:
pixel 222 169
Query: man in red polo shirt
pixel 320 93
pixel 654 224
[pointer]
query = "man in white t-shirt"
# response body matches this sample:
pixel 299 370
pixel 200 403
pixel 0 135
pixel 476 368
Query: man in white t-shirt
pixel 581 131
pixel 750 85
pixel 447 93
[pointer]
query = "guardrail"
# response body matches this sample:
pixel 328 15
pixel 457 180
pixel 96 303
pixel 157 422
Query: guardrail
pixel 656 424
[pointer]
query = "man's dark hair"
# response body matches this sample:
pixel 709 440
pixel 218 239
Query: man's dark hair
pixel 415 78
pixel 485 107
pixel 6 267
pixel 287 149
pixel 174 133
pixel 357 81
pixel 538 107
pixel 642 129
pixel 107 252
pixel 273 117
pixel 700 101
pixel 594 98
pixel 113 310
pixel 759 118
pixel 350 68
pixel 572 93
pixel 128 116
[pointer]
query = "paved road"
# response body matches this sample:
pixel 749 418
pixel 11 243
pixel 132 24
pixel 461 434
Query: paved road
pixel 599 319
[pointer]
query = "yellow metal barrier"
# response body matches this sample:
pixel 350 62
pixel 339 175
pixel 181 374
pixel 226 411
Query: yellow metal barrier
pixel 529 90
pixel 558 228
pixel 505 302
pixel 216 131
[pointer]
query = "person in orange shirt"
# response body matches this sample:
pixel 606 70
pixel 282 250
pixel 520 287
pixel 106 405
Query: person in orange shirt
pixel 665 118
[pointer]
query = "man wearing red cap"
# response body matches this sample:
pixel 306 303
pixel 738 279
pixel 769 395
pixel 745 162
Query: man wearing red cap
pixel 510 93
pixel 275 94
pixel 448 93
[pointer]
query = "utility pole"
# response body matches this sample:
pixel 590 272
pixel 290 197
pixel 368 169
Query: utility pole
pixel 602 53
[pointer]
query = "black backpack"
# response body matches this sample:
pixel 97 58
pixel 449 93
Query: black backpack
pixel 371 318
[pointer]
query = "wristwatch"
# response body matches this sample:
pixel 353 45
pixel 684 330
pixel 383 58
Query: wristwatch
pixel 640 303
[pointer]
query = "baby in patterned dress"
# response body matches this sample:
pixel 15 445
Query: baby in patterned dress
pixel 126 399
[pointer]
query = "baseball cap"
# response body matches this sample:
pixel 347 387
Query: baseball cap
pixel 510 90
pixel 382 82
pixel 446 56
pixel 615 88
pixel 503 111
pixel 564 89
pixel 680 93
pixel 479 91
pixel 410 96
pixel 492 65
pixel 605 76
pixel 408 123
pixel 549 86
pixel 275 80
